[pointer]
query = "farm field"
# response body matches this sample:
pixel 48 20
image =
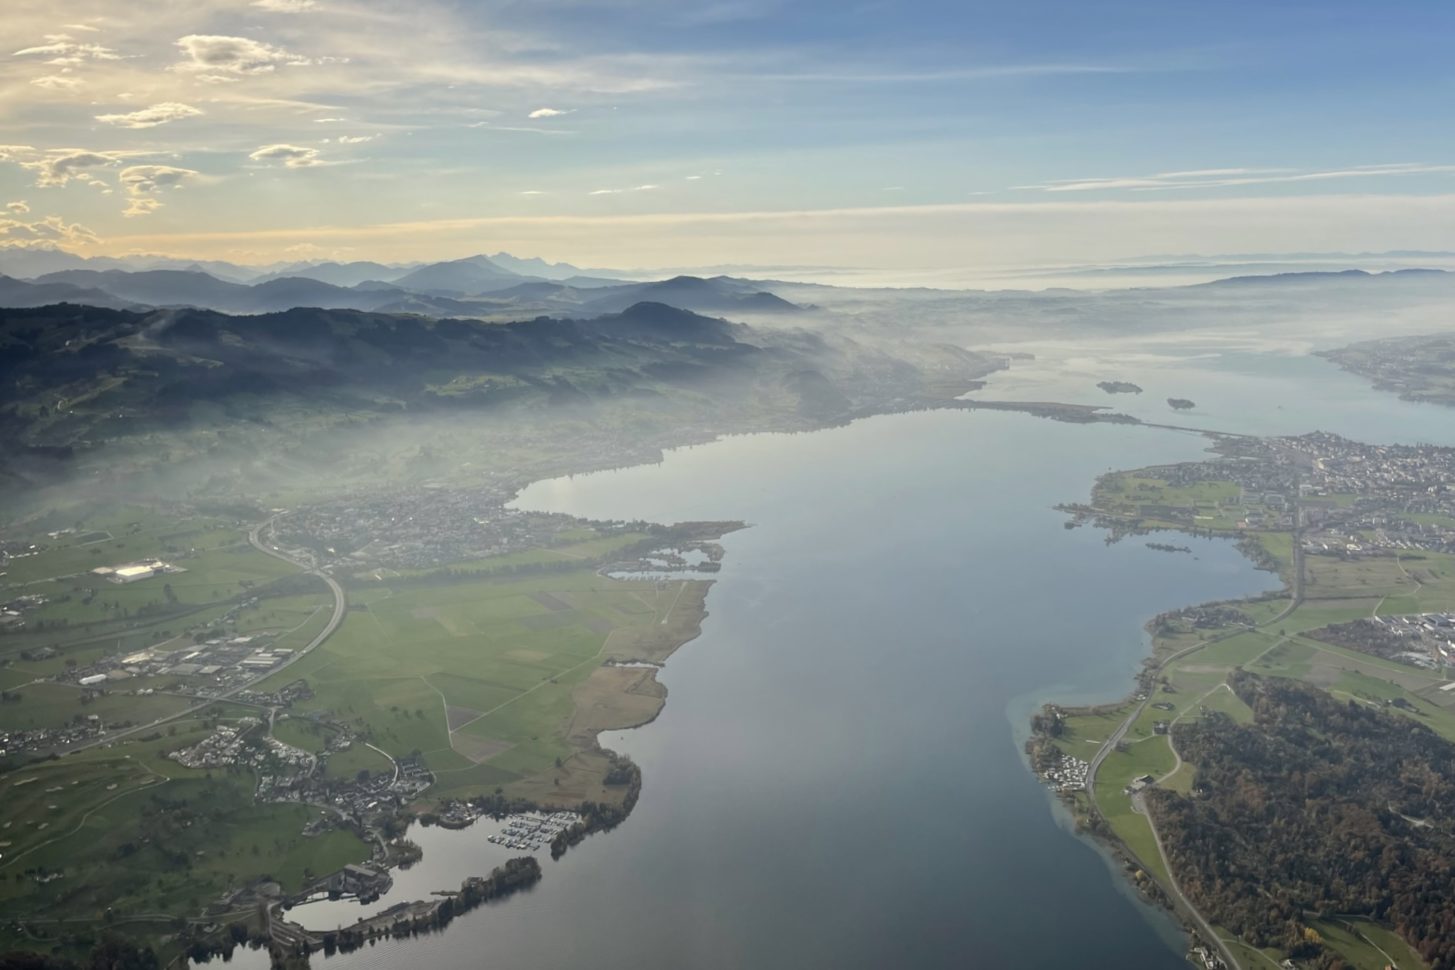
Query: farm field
pixel 478 674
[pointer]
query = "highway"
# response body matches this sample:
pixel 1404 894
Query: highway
pixel 340 600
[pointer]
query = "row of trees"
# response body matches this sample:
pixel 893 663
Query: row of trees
pixel 515 876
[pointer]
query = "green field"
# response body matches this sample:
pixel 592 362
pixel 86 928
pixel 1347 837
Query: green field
pixel 495 658
pixel 130 830
pixel 1368 946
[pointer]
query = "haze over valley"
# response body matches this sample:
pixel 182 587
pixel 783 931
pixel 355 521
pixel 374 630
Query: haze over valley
pixel 626 484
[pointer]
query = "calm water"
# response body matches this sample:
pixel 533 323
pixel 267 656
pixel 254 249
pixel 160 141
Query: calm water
pixel 836 780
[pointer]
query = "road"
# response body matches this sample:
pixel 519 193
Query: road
pixel 340 600
pixel 340 607
pixel 1110 744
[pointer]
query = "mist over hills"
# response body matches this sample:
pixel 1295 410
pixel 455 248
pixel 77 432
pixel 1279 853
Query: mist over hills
pixel 33 261
pixel 476 286
pixel 1330 276
pixel 182 399
pixel 504 287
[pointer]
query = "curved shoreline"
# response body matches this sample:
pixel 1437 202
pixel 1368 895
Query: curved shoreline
pixel 1093 821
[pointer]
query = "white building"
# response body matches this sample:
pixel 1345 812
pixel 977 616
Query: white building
pixel 130 574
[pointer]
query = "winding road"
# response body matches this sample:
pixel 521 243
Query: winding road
pixel 1115 738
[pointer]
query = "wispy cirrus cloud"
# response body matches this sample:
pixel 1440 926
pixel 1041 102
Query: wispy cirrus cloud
pixel 63 49
pixel 57 82
pixel 519 129
pixel 540 113
pixel 985 72
pixel 157 114
pixel 634 188
pixel 1211 178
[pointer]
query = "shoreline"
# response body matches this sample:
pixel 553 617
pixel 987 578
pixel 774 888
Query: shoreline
pixel 645 669
pixel 1051 766
pixel 617 678
pixel 628 667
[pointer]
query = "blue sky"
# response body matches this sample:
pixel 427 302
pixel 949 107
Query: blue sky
pixel 649 132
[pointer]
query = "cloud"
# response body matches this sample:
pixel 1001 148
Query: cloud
pixel 898 237
pixel 61 49
pixel 145 179
pixel 355 139
pixel 144 182
pixel 157 114
pixel 140 205
pixel 285 6
pixel 17 207
pixel 1213 178
pixel 635 188
pixel 519 128
pixel 16 234
pixel 989 72
pixel 59 167
pixel 214 53
pixel 291 156
pixel 547 113
pixel 532 192
pixel 56 82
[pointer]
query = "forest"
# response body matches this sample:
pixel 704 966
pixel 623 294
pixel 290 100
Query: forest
pixel 1318 808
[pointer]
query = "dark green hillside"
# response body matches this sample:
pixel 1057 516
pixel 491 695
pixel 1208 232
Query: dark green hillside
pixel 144 396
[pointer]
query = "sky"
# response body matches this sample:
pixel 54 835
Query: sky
pixel 921 134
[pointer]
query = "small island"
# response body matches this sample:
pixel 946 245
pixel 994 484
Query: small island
pixel 1180 403
pixel 1119 387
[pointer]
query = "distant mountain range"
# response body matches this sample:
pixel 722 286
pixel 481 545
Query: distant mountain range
pixel 28 263
pixel 477 286
pixel 499 287
pixel 1333 276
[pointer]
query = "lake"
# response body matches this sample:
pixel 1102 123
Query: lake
pixel 837 779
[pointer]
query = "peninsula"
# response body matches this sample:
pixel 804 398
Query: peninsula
pixel 1351 650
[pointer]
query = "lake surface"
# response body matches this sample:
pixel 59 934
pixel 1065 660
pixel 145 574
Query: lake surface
pixel 837 779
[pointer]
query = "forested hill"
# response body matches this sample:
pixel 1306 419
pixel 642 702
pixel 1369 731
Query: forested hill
pixel 1318 808
pixel 115 390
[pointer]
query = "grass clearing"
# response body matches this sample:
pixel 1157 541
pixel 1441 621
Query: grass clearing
pixel 505 653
